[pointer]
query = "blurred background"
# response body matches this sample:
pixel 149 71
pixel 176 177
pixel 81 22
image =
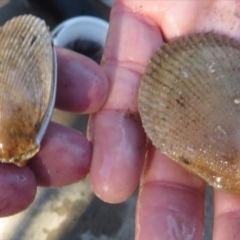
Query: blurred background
pixel 73 212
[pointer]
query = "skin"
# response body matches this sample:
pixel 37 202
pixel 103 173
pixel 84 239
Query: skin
pixel 65 154
pixel 171 200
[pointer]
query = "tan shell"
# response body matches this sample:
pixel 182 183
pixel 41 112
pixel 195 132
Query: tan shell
pixel 189 102
pixel 27 85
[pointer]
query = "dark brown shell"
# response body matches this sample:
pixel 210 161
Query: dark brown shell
pixel 189 102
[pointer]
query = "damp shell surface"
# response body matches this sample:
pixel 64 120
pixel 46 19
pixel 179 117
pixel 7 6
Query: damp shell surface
pixel 27 87
pixel 189 103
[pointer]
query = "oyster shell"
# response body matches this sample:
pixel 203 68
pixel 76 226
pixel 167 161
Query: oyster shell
pixel 189 102
pixel 28 86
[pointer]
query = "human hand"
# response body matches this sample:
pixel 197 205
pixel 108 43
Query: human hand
pixel 65 154
pixel 171 200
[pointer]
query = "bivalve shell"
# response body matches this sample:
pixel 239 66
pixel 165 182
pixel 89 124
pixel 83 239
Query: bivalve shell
pixel 189 102
pixel 27 87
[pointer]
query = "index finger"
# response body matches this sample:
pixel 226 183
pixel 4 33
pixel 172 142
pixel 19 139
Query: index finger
pixel 116 131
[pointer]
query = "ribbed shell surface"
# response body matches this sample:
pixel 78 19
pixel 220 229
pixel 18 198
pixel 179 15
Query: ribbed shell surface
pixel 189 102
pixel 26 85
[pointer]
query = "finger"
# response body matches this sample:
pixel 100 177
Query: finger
pixel 82 86
pixel 116 131
pixel 18 189
pixel 64 157
pixel 171 201
pixel 226 216
pixel 116 170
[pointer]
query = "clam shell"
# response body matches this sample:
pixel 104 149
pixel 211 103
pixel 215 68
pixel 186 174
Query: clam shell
pixel 189 102
pixel 27 87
